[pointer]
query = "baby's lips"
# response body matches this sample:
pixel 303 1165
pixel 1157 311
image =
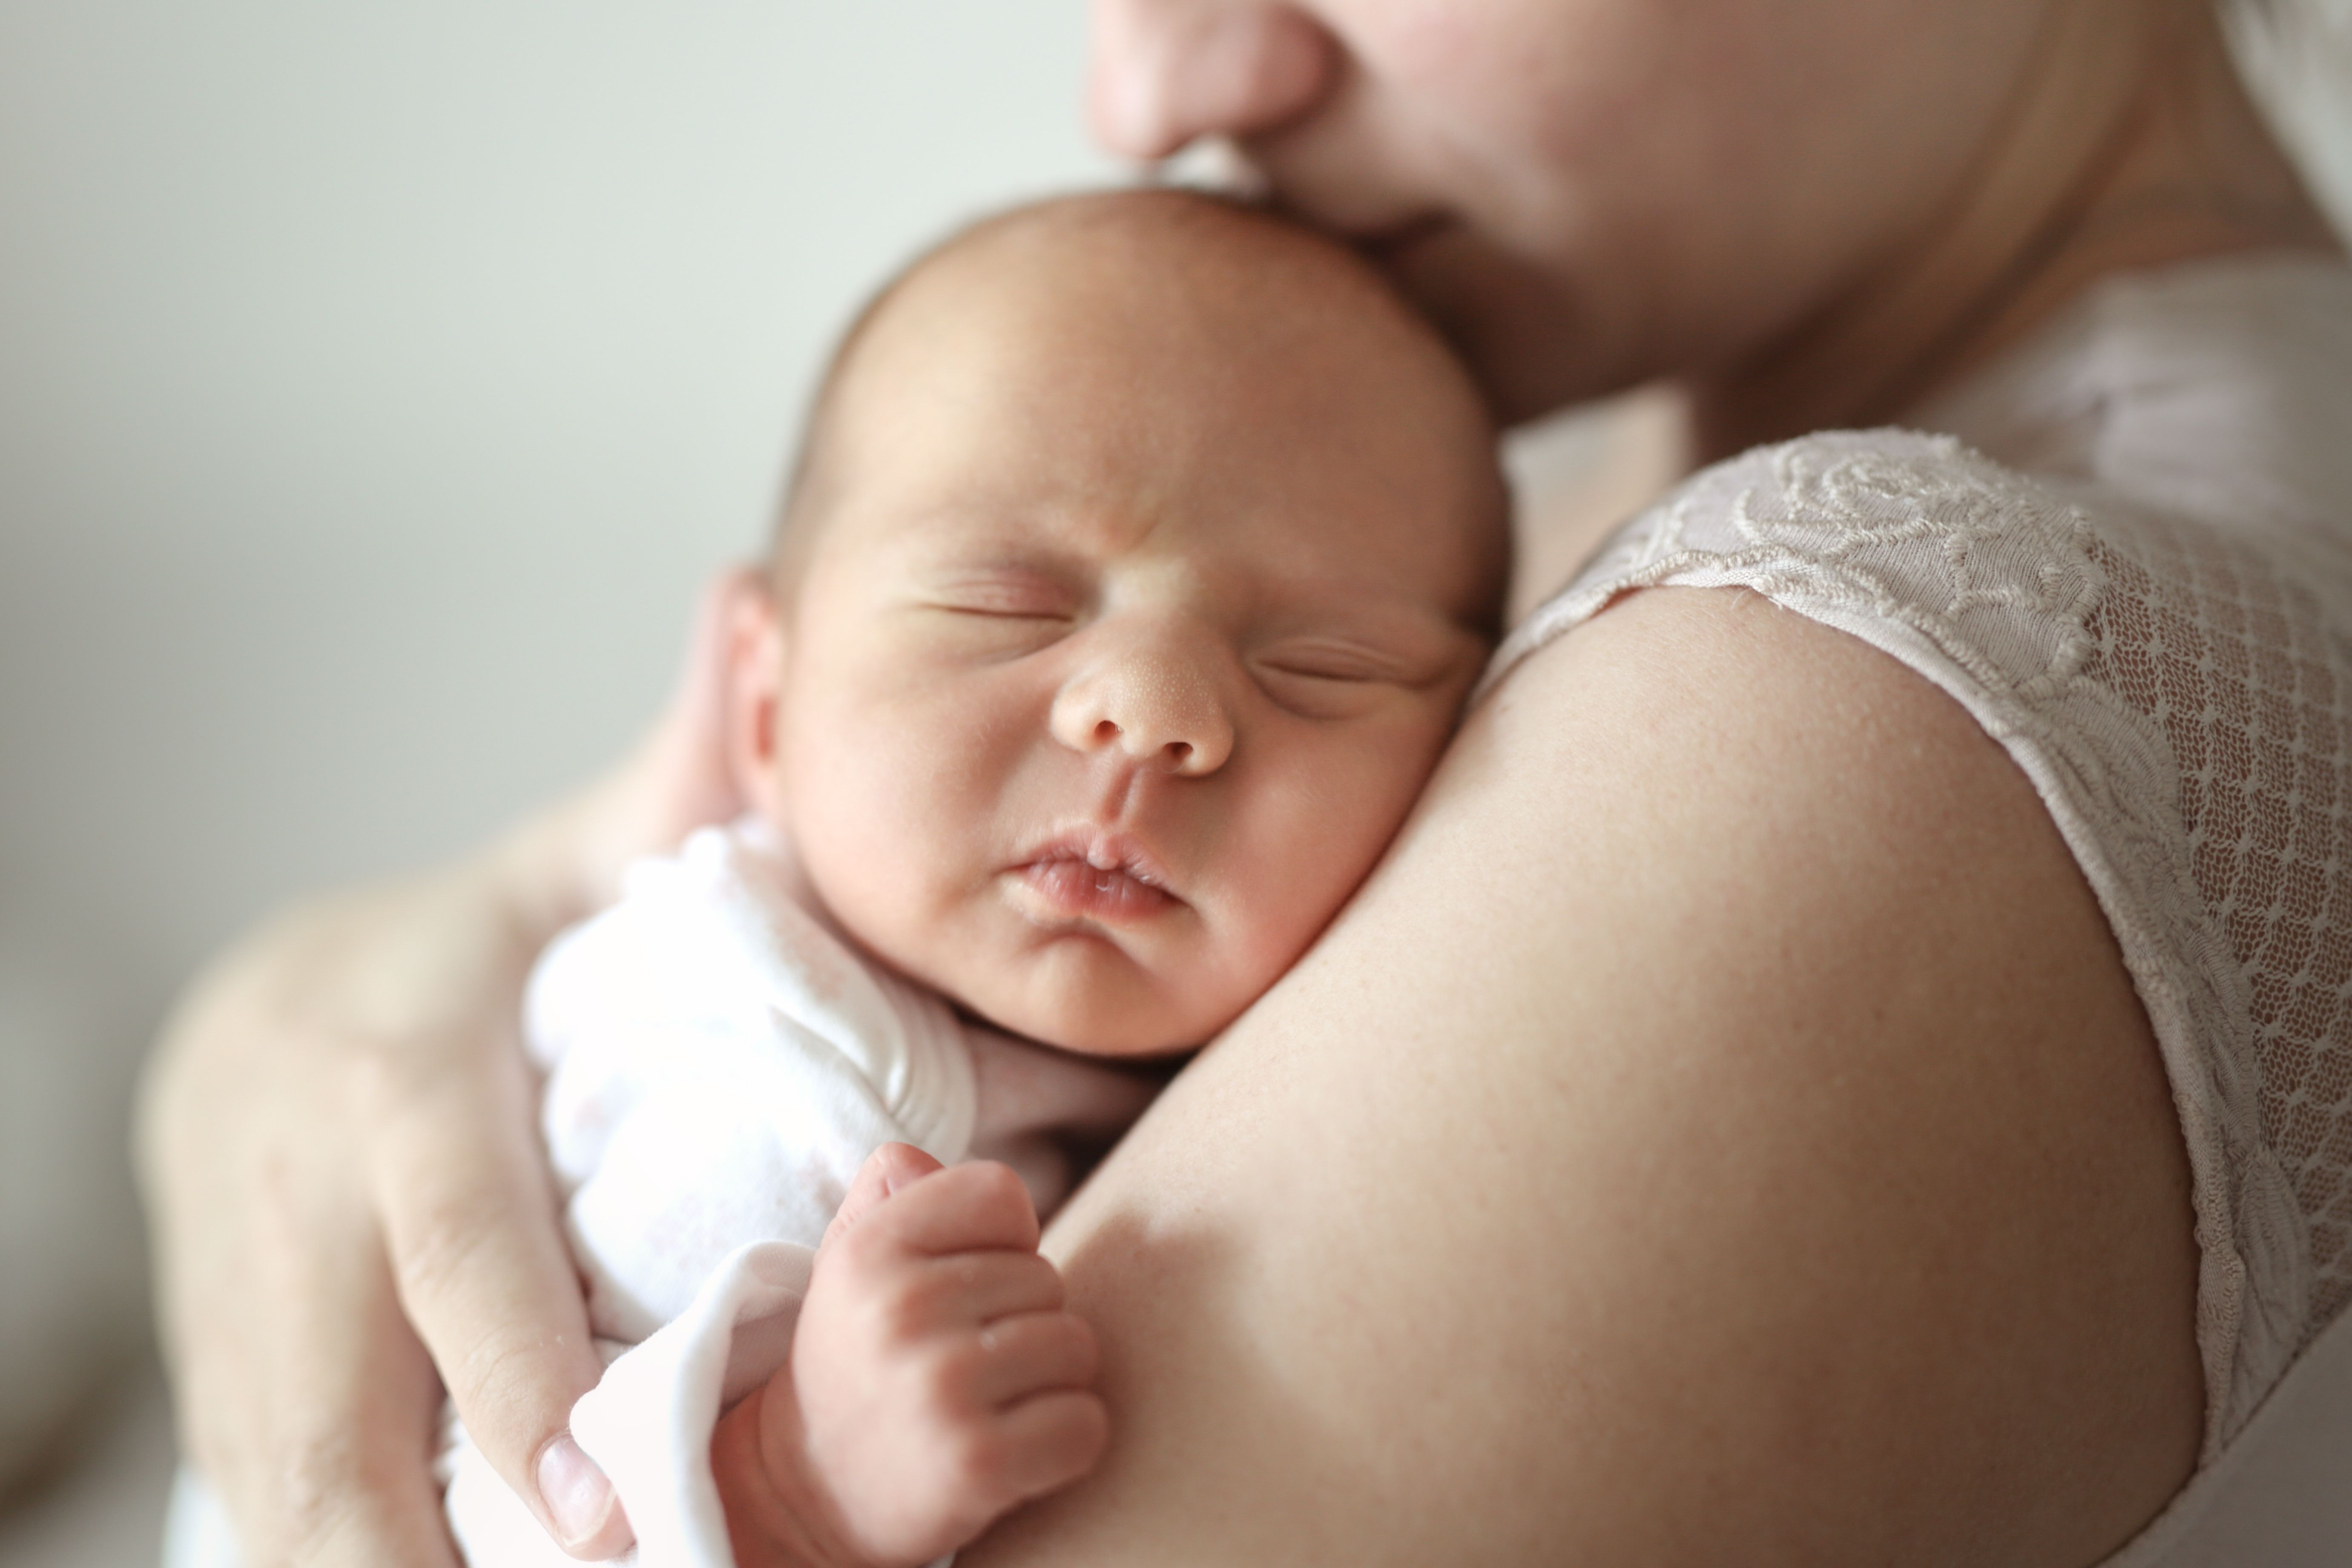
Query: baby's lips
pixel 1079 889
pixel 1103 850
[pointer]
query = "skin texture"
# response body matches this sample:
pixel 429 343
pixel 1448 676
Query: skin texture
pixel 1623 189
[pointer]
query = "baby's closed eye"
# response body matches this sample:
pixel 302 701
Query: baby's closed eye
pixel 996 615
pixel 1010 593
pixel 1336 677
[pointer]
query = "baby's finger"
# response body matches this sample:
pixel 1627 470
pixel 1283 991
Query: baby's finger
pixel 1051 1441
pixel 976 1288
pixel 970 1208
pixel 1031 1353
pixel 892 1168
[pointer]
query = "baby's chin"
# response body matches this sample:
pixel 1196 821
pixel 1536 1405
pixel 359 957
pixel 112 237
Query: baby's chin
pixel 1094 1015
pixel 1092 1032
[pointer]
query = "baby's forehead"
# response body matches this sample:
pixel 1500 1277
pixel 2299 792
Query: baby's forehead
pixel 1135 318
pixel 1225 278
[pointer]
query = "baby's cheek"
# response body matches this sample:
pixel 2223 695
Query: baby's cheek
pixel 867 868
pixel 1311 848
pixel 864 785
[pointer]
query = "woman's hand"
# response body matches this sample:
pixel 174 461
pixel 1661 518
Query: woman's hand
pixel 337 1147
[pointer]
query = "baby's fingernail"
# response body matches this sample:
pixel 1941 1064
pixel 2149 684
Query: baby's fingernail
pixel 578 1496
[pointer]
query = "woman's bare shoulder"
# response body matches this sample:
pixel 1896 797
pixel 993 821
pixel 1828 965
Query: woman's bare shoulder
pixel 1722 1131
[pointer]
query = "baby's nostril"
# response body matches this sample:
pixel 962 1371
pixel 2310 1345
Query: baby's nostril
pixel 1181 751
pixel 1106 731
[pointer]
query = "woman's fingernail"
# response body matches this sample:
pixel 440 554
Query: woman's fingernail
pixel 577 1495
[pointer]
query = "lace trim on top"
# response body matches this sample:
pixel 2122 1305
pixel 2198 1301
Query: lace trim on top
pixel 2183 702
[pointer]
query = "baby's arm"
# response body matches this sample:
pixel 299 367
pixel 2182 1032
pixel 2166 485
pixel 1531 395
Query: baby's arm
pixel 935 1381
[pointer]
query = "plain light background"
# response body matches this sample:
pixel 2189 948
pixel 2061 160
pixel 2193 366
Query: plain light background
pixel 377 384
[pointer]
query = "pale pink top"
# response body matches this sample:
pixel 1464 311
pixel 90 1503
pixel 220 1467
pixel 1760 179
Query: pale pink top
pixel 2128 555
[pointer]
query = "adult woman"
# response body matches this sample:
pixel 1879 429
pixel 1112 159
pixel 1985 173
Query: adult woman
pixel 1776 1160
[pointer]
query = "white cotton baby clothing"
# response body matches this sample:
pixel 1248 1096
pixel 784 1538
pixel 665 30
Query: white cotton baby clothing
pixel 2128 555
pixel 721 1060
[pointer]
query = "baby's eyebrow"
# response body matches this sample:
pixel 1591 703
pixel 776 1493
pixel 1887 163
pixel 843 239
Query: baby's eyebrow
pixel 947 563
pixel 1409 633
pixel 986 518
pixel 1397 613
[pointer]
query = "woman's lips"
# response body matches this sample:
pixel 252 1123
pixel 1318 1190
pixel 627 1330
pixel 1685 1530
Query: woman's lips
pixel 1382 247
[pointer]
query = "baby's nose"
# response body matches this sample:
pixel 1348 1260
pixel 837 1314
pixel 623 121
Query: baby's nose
pixel 1150 704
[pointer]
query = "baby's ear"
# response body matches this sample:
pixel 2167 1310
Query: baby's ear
pixel 755 685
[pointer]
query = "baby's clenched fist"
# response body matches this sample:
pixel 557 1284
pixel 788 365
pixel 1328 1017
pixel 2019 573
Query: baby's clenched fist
pixel 934 1380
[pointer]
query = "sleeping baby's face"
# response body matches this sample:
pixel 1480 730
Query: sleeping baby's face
pixel 1144 561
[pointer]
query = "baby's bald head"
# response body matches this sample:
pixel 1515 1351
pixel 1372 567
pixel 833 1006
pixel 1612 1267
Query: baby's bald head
pixel 1143 553
pixel 1152 297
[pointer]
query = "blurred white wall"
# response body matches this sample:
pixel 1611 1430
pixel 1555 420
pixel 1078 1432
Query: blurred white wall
pixel 376 384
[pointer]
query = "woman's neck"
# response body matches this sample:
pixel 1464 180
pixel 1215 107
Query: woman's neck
pixel 2133 146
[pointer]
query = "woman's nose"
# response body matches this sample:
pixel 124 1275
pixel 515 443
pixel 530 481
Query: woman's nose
pixel 1166 71
pixel 1152 703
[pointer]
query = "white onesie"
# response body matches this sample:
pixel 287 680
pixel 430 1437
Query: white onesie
pixel 719 1062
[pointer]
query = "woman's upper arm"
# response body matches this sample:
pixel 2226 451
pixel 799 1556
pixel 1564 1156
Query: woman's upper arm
pixel 1722 1131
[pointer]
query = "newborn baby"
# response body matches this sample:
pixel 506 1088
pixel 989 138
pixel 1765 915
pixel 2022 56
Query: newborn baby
pixel 1142 551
